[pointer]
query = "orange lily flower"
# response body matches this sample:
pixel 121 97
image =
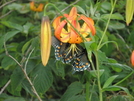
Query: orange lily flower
pixel 45 40
pixel 34 8
pixel 67 34
pixel 132 58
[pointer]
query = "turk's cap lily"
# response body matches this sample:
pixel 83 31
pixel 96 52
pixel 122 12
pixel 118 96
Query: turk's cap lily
pixel 45 40
pixel 67 34
pixel 132 58
pixel 39 8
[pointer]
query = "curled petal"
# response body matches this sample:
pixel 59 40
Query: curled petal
pixel 40 7
pixel 90 23
pixel 32 7
pixel 73 12
pixel 67 34
pixel 56 21
pixel 58 30
pixel 64 37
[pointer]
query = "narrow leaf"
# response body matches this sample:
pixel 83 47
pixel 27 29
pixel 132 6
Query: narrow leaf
pixel 109 81
pixel 12 25
pixel 116 88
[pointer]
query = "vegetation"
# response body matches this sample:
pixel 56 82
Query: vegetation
pixel 23 77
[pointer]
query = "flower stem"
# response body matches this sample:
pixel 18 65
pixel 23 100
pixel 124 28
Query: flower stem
pixel 98 78
pixel 124 78
pixel 106 25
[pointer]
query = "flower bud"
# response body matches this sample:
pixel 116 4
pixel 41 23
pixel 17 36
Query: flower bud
pixel 45 40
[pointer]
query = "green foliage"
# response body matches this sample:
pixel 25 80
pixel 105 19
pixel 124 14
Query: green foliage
pixel 21 70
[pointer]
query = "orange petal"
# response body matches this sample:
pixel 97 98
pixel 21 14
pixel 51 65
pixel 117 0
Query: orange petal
pixel 79 40
pixel 56 21
pixel 89 22
pixel 73 37
pixel 32 7
pixel 65 39
pixel 40 7
pixel 58 30
pixel 73 12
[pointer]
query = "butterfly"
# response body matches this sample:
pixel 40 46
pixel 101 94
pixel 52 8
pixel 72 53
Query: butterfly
pixel 74 54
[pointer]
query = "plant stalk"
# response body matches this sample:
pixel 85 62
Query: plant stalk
pixel 106 25
pixel 98 77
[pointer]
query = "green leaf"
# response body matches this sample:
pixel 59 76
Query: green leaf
pixel 15 99
pixel 7 36
pixel 73 89
pixel 5 97
pixel 109 81
pixel 25 46
pixel 43 78
pixel 10 34
pixel 26 27
pixel 12 25
pixel 106 6
pixel 93 72
pixel 57 67
pixel 116 25
pixel 115 16
pixel 120 98
pixel 7 62
pixel 106 42
pixel 77 98
pixel 21 8
pixel 131 36
pixel 111 88
pixel 101 56
pixel 18 79
pixel 90 46
pixel 35 42
pixel 116 88
pixel 80 9
pixel 119 67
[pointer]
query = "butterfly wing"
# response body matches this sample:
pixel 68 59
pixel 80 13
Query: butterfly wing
pixel 79 58
pixel 61 52
pixel 81 63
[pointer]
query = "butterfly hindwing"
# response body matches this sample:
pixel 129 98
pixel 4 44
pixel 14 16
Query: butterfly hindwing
pixel 81 63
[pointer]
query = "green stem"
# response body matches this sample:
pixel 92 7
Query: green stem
pixel 87 90
pixel 98 78
pixel 107 25
pixel 45 13
pixel 124 78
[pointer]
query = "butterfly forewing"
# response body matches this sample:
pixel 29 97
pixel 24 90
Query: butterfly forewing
pixel 61 52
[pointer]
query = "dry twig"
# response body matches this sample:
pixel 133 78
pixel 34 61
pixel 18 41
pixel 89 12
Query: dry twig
pixel 24 70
